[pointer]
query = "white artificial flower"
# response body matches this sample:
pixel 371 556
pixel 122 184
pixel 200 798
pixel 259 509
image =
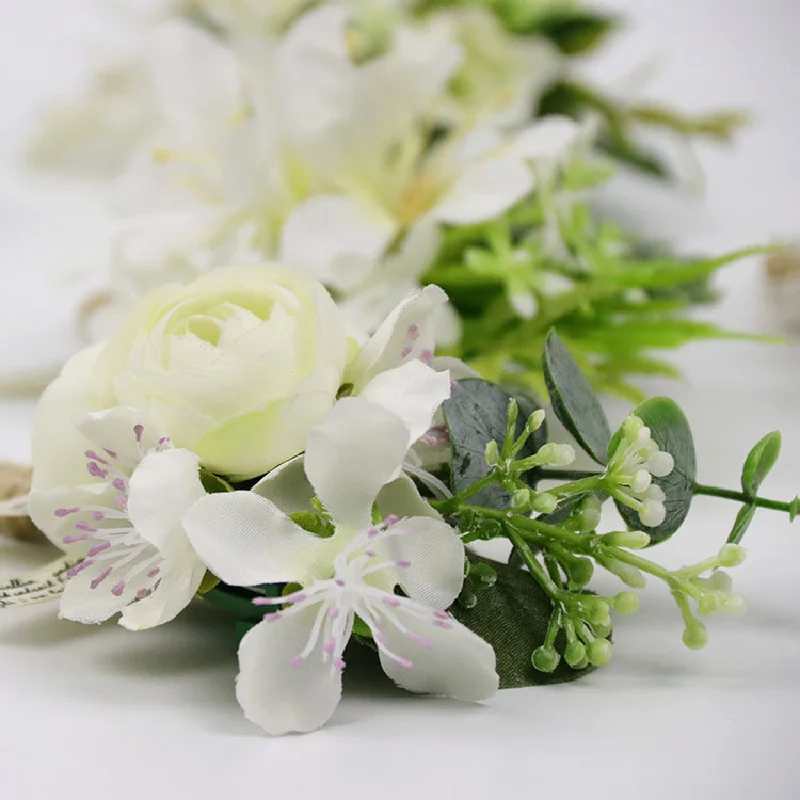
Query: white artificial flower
pixel 290 664
pixel 124 518
pixel 635 462
pixel 502 75
pixel 236 366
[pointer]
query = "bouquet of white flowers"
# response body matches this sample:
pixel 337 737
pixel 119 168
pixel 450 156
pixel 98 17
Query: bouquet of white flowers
pixel 233 442
pixel 382 146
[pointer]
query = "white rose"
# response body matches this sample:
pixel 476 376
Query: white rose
pixel 236 367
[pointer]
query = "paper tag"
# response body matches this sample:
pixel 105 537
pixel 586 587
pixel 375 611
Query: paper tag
pixel 45 584
pixel 14 507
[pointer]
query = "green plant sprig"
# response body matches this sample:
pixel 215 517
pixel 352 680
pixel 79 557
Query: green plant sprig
pixel 648 471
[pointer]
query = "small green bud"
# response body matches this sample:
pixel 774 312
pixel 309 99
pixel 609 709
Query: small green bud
pixel 544 503
pixel 632 540
pixel 590 514
pixel 521 498
pixel 466 519
pixel 731 555
pixel 580 571
pixel 599 652
pixel 735 605
pixel 492 453
pixel 602 630
pixel 467 598
pixel 709 603
pixel 556 455
pixel 513 410
pixel 626 603
pixel 720 581
pixel 535 421
pixel 695 637
pixel 545 659
pixel 595 611
pixel 483 574
pixel 575 655
pixel 629 575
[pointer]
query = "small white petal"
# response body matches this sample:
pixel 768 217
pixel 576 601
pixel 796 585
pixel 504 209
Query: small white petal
pixel 287 486
pixel 359 448
pixel 335 239
pixel 274 694
pixel 176 590
pixel 407 333
pixel 485 190
pixel 246 540
pixel 126 431
pixel 402 498
pixel 160 491
pixel 435 557
pixel 661 464
pixel 413 392
pixel 652 513
pixel 457 664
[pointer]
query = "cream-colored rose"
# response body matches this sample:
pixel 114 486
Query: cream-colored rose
pixel 236 367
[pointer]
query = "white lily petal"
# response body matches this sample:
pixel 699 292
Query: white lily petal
pixel 246 540
pixel 406 334
pixel 457 664
pixel 351 455
pixel 549 139
pixel 413 392
pixel 162 488
pixel 175 591
pixel 485 190
pixel 335 239
pixel 435 556
pixel 287 486
pixel 274 694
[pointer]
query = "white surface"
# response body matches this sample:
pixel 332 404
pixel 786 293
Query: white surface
pixel 100 712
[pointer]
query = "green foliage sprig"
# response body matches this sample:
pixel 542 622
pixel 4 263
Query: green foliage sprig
pixel 648 471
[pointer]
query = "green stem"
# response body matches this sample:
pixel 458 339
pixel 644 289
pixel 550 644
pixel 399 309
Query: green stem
pixel 567 474
pixel 452 503
pixel 537 571
pixel 577 487
pixel 730 494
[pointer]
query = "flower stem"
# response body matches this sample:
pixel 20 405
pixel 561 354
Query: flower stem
pixel 730 494
pixel 452 503
pixel 567 474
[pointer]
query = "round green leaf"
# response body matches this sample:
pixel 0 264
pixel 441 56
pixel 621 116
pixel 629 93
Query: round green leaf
pixel 475 413
pixel 513 617
pixel 760 460
pixel 671 432
pixel 574 400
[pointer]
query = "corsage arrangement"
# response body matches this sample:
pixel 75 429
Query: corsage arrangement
pixel 234 442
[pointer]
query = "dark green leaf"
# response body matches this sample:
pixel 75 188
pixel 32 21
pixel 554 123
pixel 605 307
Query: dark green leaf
pixel 742 523
pixel 513 619
pixel 575 30
pixel 213 484
pixel 671 432
pixel 573 399
pixel 760 460
pixel 475 413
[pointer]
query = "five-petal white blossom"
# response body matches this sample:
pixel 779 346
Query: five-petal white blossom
pixel 384 535
pixel 125 522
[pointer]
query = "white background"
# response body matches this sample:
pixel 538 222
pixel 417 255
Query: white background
pixel 99 712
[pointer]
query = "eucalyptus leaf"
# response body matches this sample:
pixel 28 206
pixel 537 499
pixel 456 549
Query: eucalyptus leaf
pixel 574 401
pixel 760 460
pixel 742 523
pixel 476 413
pixel 671 432
pixel 513 618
